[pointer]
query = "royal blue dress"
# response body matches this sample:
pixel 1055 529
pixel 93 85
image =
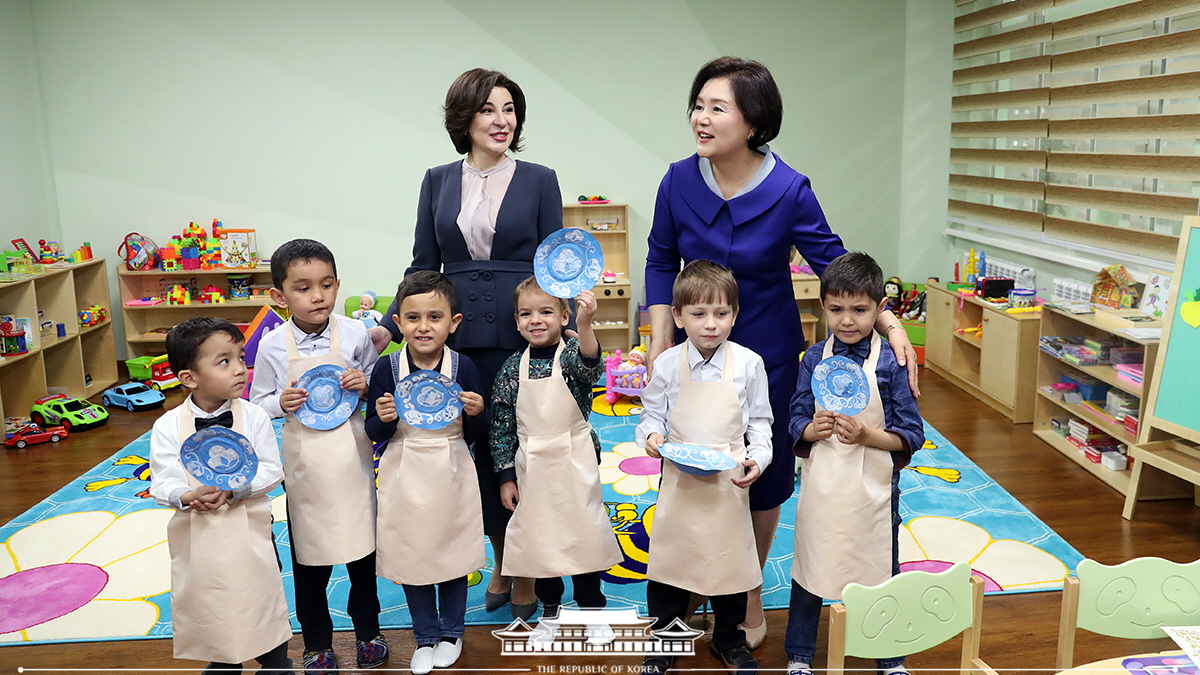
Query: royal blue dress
pixel 752 234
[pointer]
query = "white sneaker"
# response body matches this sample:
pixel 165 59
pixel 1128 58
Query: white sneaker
pixel 600 634
pixel 542 637
pixel 446 653
pixel 422 661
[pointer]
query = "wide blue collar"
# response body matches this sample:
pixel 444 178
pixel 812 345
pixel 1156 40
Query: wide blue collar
pixel 694 192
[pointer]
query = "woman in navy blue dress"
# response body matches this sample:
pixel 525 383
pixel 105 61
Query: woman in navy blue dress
pixel 736 203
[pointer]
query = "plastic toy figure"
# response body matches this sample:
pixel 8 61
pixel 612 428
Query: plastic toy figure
pixel 366 310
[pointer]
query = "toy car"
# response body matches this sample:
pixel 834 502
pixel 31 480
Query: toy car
pixel 133 396
pixel 73 413
pixel 31 434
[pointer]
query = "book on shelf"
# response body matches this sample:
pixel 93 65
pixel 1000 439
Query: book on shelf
pixel 1072 307
pixel 1142 333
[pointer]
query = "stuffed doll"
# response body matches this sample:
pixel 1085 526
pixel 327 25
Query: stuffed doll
pixel 366 312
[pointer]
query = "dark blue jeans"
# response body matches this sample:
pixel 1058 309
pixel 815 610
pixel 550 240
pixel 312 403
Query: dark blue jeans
pixel 437 617
pixel 804 609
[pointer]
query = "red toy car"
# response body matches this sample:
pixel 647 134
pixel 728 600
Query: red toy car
pixel 31 434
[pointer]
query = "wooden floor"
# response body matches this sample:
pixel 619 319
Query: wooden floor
pixel 1019 631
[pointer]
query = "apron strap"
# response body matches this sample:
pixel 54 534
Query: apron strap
pixel 556 368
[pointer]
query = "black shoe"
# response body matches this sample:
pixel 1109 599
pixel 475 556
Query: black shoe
pixel 656 664
pixel 222 669
pixel 285 667
pixel 737 660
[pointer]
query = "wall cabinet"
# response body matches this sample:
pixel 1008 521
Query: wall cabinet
pixel 83 362
pixel 986 351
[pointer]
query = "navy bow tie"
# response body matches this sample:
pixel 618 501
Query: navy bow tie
pixel 859 351
pixel 225 419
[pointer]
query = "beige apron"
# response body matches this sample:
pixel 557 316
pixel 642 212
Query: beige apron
pixel 329 475
pixel 560 526
pixel 227 601
pixel 703 539
pixel 844 513
pixel 430 525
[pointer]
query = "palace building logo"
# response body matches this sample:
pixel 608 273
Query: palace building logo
pixel 597 631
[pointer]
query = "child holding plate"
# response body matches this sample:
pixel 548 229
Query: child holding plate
pixel 856 424
pixel 312 370
pixel 429 532
pixel 547 456
pixel 227 601
pixel 712 393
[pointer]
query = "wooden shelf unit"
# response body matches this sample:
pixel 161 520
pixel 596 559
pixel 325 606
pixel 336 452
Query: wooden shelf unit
pixel 1056 322
pixel 613 323
pixel 83 363
pixel 999 367
pixel 140 320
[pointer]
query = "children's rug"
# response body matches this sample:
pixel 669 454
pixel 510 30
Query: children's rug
pixel 91 561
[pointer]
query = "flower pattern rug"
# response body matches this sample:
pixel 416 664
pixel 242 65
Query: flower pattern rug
pixel 91 561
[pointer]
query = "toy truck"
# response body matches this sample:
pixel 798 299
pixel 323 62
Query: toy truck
pixel 153 370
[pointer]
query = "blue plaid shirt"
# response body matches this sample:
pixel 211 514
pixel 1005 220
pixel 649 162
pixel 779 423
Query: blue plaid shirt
pixel 900 413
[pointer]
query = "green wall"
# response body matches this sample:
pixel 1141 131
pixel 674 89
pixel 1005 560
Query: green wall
pixel 318 119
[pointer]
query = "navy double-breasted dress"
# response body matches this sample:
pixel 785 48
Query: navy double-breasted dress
pixel 752 234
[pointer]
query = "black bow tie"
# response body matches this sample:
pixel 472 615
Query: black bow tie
pixel 225 419
pixel 859 351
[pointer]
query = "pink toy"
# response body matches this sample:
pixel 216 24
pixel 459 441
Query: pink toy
pixel 627 378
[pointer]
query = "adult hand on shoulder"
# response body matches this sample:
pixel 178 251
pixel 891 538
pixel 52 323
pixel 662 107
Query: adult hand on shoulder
pixel 472 402
pixel 751 475
pixel 905 356
pixel 381 337
pixel 509 495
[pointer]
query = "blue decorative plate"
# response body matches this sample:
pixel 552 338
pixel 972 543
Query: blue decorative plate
pixel 841 385
pixel 219 456
pixel 328 404
pixel 696 460
pixel 567 262
pixel 428 400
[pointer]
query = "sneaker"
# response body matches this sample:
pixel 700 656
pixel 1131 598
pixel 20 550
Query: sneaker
pixel 322 662
pixel 738 660
pixel 656 664
pixel 373 653
pixel 798 670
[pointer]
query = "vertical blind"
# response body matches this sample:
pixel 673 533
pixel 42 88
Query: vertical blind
pixel 1078 118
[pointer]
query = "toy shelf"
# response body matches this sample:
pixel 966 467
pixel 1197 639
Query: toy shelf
pixel 1051 369
pixel 999 366
pixel 82 362
pixel 614 300
pixel 141 320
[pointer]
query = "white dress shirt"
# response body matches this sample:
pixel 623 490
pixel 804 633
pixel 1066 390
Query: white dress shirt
pixel 271 363
pixel 749 376
pixel 168 478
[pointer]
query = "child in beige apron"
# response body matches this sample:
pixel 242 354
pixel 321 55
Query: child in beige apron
pixel 703 539
pixel 329 477
pixel 430 525
pixel 227 600
pixel 844 520
pixel 560 526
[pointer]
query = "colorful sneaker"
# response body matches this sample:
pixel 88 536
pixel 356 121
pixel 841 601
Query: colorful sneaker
pixel 322 662
pixel 373 653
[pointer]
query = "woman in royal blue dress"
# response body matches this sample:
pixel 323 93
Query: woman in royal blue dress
pixel 735 202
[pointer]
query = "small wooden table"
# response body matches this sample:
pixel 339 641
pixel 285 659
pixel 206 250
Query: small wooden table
pixel 806 288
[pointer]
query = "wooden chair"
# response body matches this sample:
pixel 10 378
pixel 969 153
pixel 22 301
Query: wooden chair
pixel 1131 600
pixel 909 613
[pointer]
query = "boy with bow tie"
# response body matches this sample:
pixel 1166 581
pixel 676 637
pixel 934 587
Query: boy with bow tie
pixel 847 515
pixel 227 601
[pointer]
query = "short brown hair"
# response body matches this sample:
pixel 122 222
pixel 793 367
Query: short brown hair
pixel 754 91
pixel 468 95
pixel 704 281
pixel 531 284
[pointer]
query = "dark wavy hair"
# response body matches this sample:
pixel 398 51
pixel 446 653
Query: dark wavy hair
pixel 755 94
pixel 468 95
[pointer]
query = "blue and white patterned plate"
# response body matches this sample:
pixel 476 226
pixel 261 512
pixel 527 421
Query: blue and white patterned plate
pixel 428 400
pixel 696 460
pixel 219 456
pixel 567 262
pixel 328 405
pixel 841 385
